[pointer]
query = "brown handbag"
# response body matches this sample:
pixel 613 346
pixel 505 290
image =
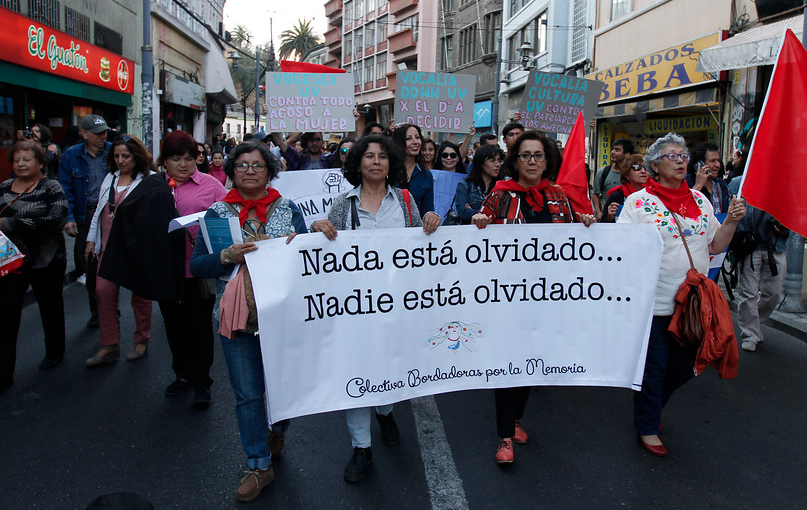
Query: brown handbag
pixel 690 333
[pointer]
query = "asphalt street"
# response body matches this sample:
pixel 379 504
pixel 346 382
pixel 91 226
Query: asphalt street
pixel 71 434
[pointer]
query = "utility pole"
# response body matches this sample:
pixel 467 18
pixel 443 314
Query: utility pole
pixel 147 56
pixel 257 87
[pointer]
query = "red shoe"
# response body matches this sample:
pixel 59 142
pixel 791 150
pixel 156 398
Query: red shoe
pixel 504 453
pixel 520 436
pixel 656 449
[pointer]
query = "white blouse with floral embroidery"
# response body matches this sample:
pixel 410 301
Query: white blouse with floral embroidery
pixel 643 207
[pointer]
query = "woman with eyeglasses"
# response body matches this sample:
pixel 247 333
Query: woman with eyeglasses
pixel 448 158
pixel 633 176
pixel 528 197
pixel 471 191
pixel 676 210
pixel 129 162
pixel 263 214
pixel 407 139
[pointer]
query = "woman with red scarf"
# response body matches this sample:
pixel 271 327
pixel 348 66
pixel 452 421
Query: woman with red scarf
pixel 263 214
pixel 633 177
pixel 528 197
pixel 668 365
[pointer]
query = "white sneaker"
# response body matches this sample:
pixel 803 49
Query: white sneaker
pixel 82 280
pixel 749 346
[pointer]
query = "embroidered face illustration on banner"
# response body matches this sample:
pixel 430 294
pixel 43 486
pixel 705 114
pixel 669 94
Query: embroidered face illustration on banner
pixel 456 335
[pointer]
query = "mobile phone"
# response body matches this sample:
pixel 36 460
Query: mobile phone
pixel 701 164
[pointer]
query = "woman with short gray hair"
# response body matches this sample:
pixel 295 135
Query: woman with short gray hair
pixel 676 210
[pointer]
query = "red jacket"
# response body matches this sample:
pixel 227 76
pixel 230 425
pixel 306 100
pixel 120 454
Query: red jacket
pixel 719 346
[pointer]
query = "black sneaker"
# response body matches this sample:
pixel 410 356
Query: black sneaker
pixel 176 387
pixel 201 396
pixel 389 429
pixel 357 467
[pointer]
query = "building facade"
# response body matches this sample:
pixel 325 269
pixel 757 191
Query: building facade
pixel 373 39
pixel 65 59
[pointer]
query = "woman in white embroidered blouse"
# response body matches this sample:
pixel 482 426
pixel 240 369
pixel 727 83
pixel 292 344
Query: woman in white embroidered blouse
pixel 669 366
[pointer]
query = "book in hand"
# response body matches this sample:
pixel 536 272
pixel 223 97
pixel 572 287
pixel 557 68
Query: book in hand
pixel 219 234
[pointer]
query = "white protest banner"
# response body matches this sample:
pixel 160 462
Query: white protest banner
pixel 312 190
pixel 435 101
pixel 551 101
pixel 381 316
pixel 445 187
pixel 309 102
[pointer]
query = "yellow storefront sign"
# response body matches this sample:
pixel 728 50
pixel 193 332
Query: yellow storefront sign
pixel 680 124
pixel 669 69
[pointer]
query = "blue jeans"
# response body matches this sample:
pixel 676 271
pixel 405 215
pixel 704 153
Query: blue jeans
pixel 242 353
pixel 667 368
pixel 358 423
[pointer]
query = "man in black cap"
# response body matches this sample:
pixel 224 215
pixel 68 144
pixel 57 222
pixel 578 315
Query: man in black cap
pixel 81 171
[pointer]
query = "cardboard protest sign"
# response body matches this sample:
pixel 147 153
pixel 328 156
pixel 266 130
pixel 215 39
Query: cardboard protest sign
pixel 384 315
pixel 435 101
pixel 309 102
pixel 551 102
pixel 313 190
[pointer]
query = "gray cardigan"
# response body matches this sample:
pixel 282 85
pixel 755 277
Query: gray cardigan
pixel 340 209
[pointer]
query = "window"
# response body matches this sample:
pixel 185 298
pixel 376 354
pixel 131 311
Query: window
pixel 538 39
pixel 369 6
pixel 76 24
pixel 14 5
pixel 369 34
pixel 369 67
pixel 619 8
pixel 469 48
pixel 410 22
pixel 107 38
pixel 515 5
pixel 357 74
pixel 492 32
pixel 45 12
pixel 448 52
pixel 380 66
pixel 358 10
pixel 382 30
pixel 348 8
pixel 580 34
pixel 448 6
pixel 347 45
pixel 227 127
pixel 357 39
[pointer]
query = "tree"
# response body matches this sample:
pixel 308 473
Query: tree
pixel 297 41
pixel 241 35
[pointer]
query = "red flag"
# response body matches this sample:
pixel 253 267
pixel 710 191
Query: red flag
pixel 572 175
pixel 292 66
pixel 775 178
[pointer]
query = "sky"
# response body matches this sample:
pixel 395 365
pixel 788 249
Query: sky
pixel 255 15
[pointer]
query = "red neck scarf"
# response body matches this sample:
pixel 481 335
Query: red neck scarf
pixel 534 197
pixel 679 200
pixel 627 190
pixel 234 197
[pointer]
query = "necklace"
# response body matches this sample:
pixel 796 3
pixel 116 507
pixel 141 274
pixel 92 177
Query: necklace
pixel 111 201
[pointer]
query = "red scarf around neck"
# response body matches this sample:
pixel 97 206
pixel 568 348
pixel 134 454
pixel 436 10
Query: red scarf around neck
pixel 234 197
pixel 627 190
pixel 679 200
pixel 534 197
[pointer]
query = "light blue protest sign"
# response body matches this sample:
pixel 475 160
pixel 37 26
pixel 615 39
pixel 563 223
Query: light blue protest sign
pixel 435 101
pixel 445 187
pixel 309 102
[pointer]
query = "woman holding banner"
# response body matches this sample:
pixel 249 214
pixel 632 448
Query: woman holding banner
pixel 263 214
pixel 371 167
pixel 633 176
pixel 669 365
pixel 528 197
pixel 418 180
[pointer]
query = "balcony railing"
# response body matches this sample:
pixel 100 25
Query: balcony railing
pixel 398 6
pixel 333 8
pixel 401 41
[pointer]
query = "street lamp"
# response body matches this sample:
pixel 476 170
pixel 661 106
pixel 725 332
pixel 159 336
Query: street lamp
pixel 527 63
pixel 235 57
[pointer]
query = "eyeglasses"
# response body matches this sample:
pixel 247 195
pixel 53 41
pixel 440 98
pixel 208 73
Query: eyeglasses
pixel 343 150
pixel 448 155
pixel 256 167
pixel 674 157
pixel 638 168
pixel 526 157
